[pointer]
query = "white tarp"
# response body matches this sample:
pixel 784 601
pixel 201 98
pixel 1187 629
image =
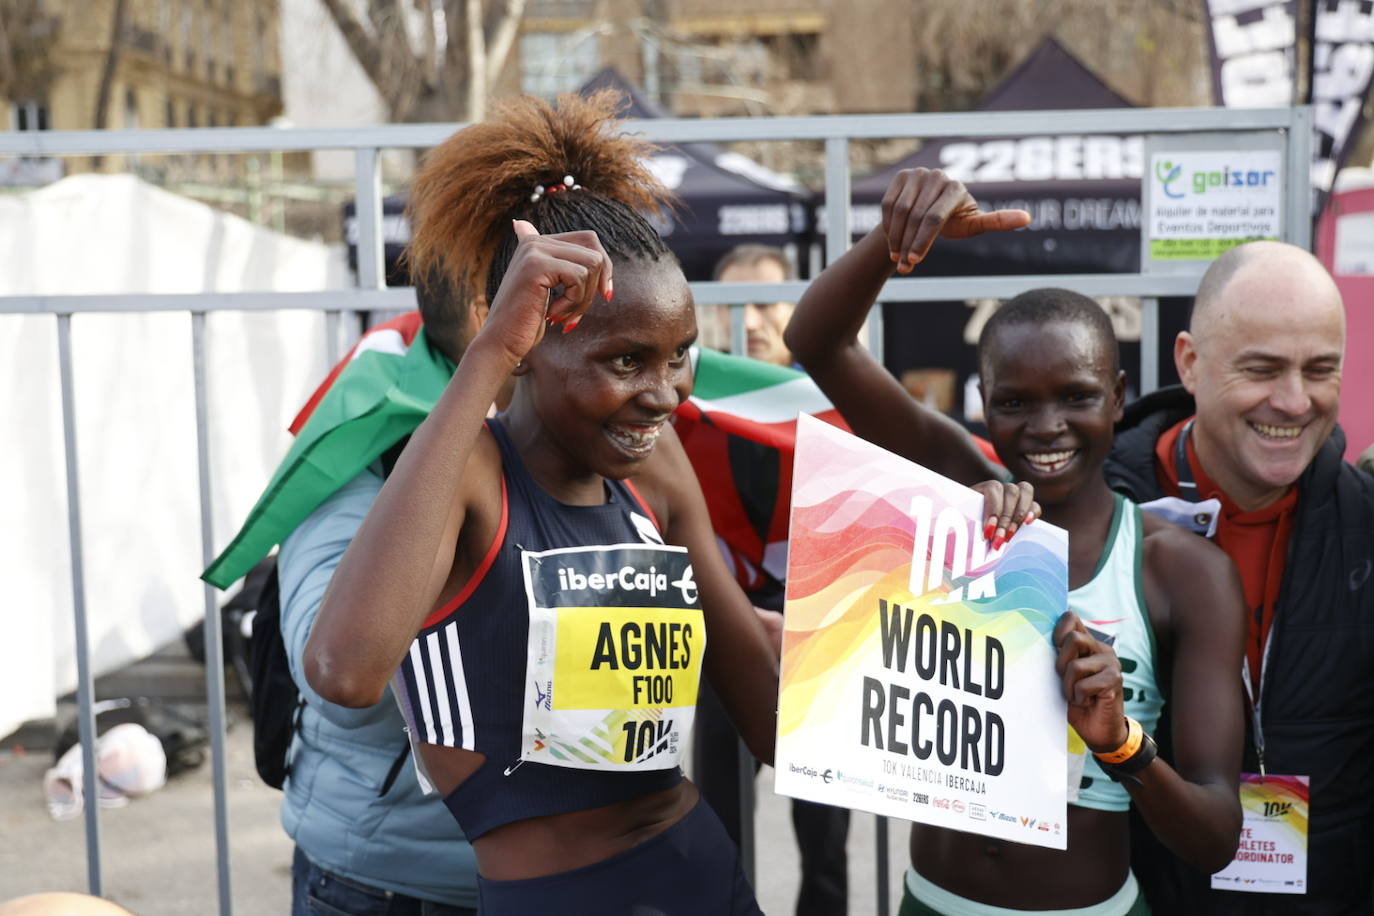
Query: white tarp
pixel 135 413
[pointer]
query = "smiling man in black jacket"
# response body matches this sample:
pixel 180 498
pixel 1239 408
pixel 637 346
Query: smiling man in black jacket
pixel 1254 427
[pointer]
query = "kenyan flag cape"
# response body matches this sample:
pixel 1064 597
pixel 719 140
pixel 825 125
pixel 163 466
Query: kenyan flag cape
pixel 378 394
pixel 738 428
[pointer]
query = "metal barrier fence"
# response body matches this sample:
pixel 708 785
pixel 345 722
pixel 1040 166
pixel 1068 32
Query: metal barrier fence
pixel 1292 124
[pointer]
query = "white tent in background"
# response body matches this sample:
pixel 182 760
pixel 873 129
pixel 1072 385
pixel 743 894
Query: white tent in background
pixel 135 410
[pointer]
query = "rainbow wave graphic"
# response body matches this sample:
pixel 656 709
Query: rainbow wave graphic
pixel 852 540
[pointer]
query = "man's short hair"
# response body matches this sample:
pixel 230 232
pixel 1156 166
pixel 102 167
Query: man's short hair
pixel 750 254
pixel 1281 256
pixel 445 312
pixel 1046 305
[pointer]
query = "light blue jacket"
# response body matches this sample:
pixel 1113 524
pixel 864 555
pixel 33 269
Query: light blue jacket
pixel 403 841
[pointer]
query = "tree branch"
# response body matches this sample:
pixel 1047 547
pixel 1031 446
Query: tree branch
pixel 477 62
pixel 107 73
pixel 366 50
pixel 8 74
pixel 430 59
pixel 501 37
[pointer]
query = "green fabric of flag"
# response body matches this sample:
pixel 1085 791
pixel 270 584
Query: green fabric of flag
pixel 378 399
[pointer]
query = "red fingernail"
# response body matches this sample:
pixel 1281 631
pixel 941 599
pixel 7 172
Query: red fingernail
pixel 894 256
pixel 988 530
pixel 1030 517
pixel 998 541
pixel 610 292
pixel 572 324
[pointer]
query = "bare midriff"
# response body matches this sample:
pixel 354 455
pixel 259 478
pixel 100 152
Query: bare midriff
pixel 1021 877
pixel 539 846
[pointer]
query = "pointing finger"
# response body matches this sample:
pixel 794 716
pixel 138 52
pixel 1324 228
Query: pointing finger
pixel 996 221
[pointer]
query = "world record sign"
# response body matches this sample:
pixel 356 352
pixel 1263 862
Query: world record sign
pixel 918 675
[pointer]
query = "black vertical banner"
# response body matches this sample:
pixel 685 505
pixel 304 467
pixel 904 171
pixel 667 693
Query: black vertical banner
pixel 1342 67
pixel 1254 46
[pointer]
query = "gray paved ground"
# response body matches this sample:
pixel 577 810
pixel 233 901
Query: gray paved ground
pixel 159 852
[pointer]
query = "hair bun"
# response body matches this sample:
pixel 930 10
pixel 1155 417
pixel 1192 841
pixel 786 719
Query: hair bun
pixel 472 185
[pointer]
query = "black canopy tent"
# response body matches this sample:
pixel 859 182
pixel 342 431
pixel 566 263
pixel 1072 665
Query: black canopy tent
pixel 1082 191
pixel 725 199
pixel 395 235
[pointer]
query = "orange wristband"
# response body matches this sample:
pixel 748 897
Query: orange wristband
pixel 1134 736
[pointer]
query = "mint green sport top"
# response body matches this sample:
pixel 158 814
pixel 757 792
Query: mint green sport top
pixel 1113 602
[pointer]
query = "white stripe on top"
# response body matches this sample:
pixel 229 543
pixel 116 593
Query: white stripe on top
pixel 460 686
pixel 436 668
pixel 417 666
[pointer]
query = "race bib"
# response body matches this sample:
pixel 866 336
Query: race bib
pixel 614 659
pixel 1272 857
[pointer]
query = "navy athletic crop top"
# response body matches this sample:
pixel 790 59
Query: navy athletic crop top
pixel 476 678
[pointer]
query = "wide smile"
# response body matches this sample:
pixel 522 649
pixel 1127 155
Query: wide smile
pixel 635 440
pixel 1273 433
pixel 1050 462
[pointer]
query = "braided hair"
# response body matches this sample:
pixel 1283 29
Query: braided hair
pixel 513 166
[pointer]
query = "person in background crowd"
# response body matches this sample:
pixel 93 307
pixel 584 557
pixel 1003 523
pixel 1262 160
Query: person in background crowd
pixel 1254 425
pixel 763 322
pixel 369 842
pixel 1052 389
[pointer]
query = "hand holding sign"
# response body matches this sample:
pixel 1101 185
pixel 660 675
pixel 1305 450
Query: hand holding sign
pixel 1007 506
pixel 1091 675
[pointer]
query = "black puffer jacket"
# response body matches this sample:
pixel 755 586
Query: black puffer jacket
pixel 1318 695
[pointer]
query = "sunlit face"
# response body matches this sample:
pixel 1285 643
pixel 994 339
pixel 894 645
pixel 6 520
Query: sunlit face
pixel 1264 365
pixel 604 391
pixel 1051 400
pixel 763 323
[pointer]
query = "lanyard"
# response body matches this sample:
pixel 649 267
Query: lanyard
pixel 1187 488
pixel 1256 698
pixel 1183 468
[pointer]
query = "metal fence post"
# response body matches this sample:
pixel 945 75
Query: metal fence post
pixel 85 686
pixel 884 871
pixel 214 651
pixel 1149 344
pixel 368 210
pixel 739 334
pixel 745 771
pixel 1300 214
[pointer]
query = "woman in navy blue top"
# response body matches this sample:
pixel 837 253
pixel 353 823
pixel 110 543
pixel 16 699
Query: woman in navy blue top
pixel 544 622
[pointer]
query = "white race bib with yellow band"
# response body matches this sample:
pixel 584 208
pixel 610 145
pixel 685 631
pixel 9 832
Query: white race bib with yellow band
pixel 615 644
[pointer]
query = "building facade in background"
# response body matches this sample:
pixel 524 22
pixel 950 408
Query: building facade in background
pixel 713 58
pixel 170 63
